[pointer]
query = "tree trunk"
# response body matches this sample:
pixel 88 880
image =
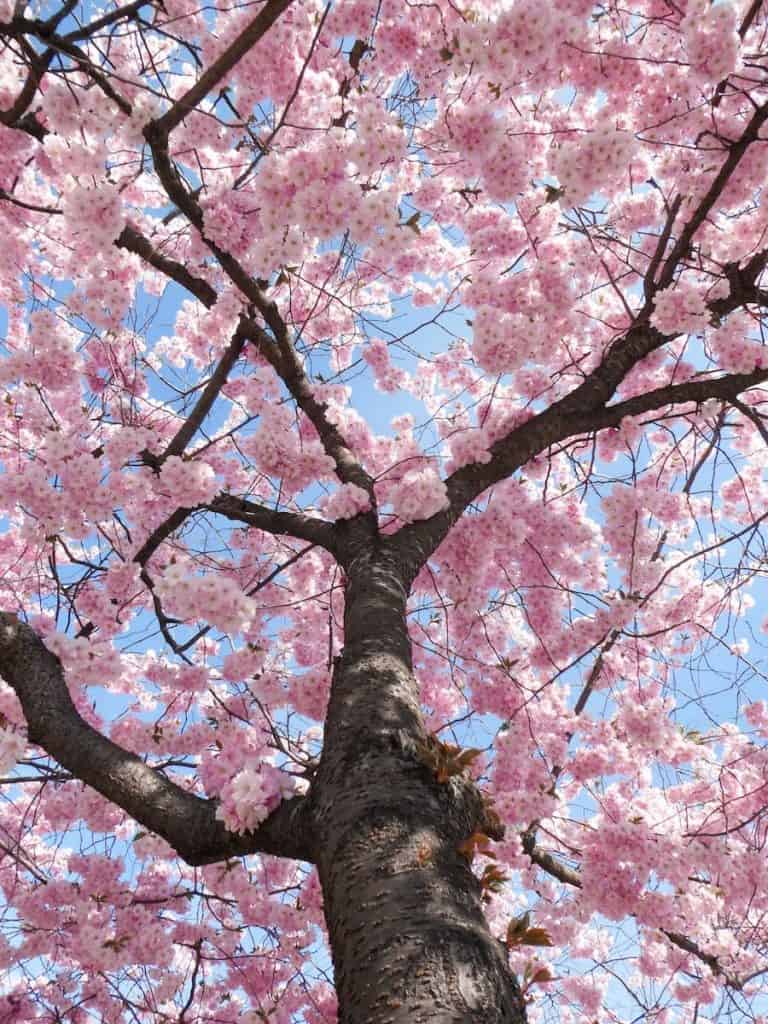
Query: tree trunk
pixel 408 935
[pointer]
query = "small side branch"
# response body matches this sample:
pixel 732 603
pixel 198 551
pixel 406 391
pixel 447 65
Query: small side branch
pixel 293 524
pixel 133 241
pixel 204 403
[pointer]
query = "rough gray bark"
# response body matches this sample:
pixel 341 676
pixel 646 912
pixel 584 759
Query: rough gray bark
pixel 404 912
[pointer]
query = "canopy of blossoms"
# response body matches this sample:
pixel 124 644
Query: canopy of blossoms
pixel 488 276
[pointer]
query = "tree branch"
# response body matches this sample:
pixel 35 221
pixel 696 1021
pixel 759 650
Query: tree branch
pixel 275 521
pixel 133 241
pixel 110 18
pixel 724 388
pixel 209 394
pixel 18 27
pixel 293 524
pixel 585 410
pixel 236 50
pixel 18 115
pixel 163 532
pixel 184 820
pixel 44 31
pixel 561 421
pixel 280 354
pixel 278 349
pixel 286 363
pixel 736 151
pixel 649 284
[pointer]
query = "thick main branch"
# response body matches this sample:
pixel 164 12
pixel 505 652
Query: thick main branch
pixel 560 422
pixel 186 821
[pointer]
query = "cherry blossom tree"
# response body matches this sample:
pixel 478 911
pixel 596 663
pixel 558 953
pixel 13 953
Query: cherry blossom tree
pixel 383 430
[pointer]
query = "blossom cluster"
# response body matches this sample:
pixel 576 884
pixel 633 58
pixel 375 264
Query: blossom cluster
pixel 12 747
pixel 734 346
pixel 592 162
pixel 44 354
pixel 387 376
pixel 251 795
pixel 192 482
pixel 278 452
pixel 503 343
pixel 680 309
pixel 97 211
pixel 218 599
pixel 710 32
pixel 346 502
pixel 419 495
